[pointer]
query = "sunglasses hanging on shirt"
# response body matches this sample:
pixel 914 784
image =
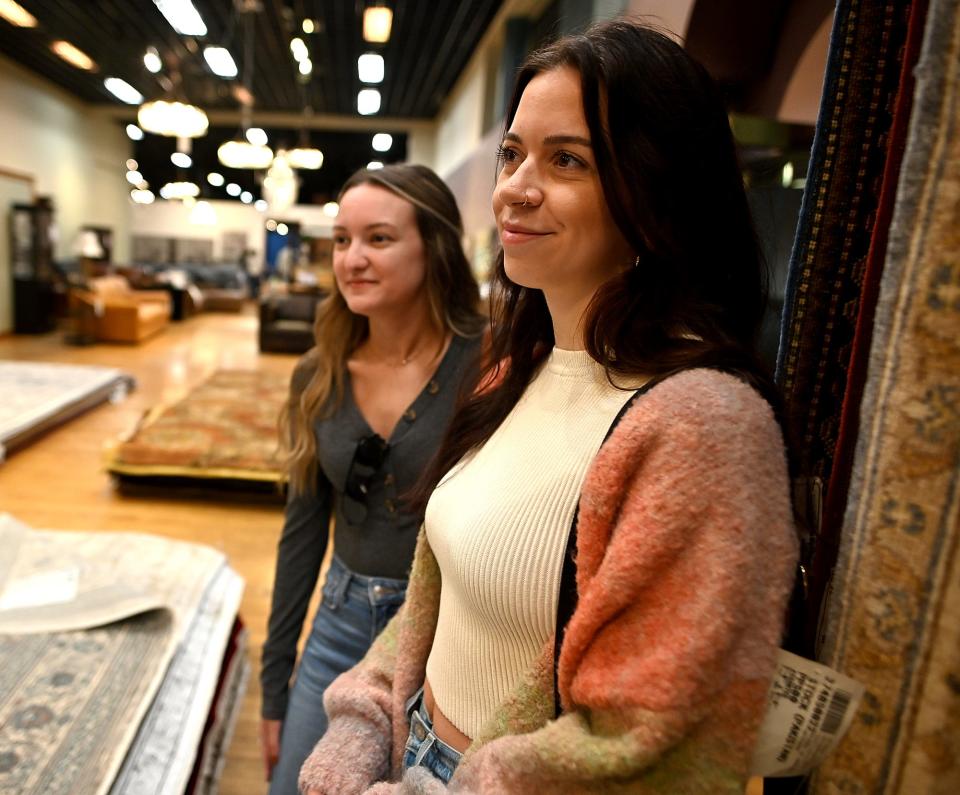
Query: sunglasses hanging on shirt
pixel 368 458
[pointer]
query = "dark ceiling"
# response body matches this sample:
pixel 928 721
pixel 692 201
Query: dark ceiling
pixel 430 45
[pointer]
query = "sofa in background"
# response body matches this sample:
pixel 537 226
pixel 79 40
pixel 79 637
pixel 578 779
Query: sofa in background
pixel 111 311
pixel 286 322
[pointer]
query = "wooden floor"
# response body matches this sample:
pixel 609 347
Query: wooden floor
pixel 58 481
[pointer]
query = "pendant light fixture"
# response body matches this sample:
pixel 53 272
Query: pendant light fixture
pixel 172 117
pixel 241 152
pixel 305 156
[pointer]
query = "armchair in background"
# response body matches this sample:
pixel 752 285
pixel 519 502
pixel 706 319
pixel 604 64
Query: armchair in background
pixel 286 322
pixel 111 311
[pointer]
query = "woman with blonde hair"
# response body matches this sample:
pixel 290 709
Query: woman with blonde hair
pixel 599 588
pixel 368 407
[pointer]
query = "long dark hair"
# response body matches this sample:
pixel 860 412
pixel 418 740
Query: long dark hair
pixel 672 182
pixel 452 295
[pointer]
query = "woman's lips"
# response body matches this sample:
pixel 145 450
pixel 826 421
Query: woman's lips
pixel 515 235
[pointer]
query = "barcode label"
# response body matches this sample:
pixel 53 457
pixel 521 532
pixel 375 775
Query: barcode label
pixel 835 712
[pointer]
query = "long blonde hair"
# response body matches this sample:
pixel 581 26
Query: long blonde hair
pixel 452 296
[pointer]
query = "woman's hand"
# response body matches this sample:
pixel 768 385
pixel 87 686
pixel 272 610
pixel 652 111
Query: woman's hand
pixel 270 743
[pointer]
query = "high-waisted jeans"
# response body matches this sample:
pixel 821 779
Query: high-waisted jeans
pixel 353 611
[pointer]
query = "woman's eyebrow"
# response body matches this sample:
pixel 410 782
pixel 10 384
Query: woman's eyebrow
pixel 554 139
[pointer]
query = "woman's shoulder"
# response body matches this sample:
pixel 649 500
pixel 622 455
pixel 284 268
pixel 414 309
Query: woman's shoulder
pixel 698 405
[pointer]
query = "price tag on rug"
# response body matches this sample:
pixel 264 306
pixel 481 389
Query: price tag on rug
pixel 40 589
pixel 809 709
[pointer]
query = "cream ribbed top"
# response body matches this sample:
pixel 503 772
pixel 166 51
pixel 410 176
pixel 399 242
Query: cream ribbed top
pixel 498 524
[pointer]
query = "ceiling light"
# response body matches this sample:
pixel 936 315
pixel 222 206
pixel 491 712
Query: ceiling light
pixel 176 119
pixel 142 196
pixel 298 48
pixel 282 229
pixel 260 205
pixel 370 67
pixel 280 185
pixel 377 22
pixel 786 175
pixel 382 142
pixel 220 61
pixel 134 177
pixel 309 26
pixel 306 66
pixel 246 197
pixel 132 165
pixel 16 14
pixel 233 189
pixel 256 136
pixel 181 160
pixel 215 179
pixel 73 56
pixel 151 59
pixel 182 16
pixel 305 157
pixel 203 214
pixel 330 209
pixel 368 101
pixel 134 133
pixel 179 190
pixel 373 165
pixel 271 225
pixel 123 91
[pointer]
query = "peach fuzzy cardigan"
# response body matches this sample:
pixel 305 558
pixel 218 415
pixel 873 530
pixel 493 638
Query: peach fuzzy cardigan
pixel 685 558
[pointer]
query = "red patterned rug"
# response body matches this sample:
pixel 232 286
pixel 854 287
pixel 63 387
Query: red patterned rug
pixel 223 433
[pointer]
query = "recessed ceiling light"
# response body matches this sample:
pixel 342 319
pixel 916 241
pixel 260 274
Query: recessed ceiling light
pixel 260 205
pixel 134 177
pixel 382 142
pixel 306 66
pixel 132 165
pixel 151 59
pixel 309 26
pixel 134 133
pixel 368 101
pixel 215 179
pixel 373 165
pixel 181 160
pixel 330 209
pixel 257 136
pixel 233 189
pixel 271 225
pixel 142 196
pixel 73 56
pixel 16 14
pixel 182 16
pixel 298 48
pixel 282 229
pixel 246 197
pixel 370 67
pixel 123 91
pixel 377 21
pixel 220 61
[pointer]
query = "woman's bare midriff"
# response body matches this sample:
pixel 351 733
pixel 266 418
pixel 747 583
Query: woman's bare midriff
pixel 443 728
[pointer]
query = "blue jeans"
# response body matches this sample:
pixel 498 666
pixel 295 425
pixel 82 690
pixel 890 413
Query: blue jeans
pixel 424 748
pixel 353 611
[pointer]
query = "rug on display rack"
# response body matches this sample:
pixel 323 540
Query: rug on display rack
pixel 893 612
pixel 221 437
pixel 112 655
pixel 38 396
pixel 835 267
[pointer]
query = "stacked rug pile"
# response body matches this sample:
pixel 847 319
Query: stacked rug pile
pixel 223 434
pixel 122 662
pixel 38 396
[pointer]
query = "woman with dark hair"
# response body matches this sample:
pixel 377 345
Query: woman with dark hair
pixel 368 407
pixel 598 591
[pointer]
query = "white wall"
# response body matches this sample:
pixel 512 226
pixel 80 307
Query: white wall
pixel 74 154
pixel 172 219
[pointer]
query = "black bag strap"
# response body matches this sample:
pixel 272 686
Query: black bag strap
pixel 567 601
